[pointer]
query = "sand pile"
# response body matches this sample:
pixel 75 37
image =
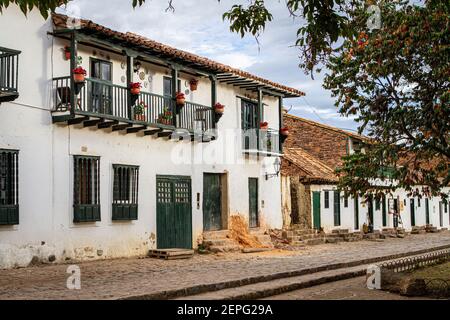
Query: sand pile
pixel 239 233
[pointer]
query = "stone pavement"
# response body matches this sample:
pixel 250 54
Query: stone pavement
pixel 121 278
pixel 349 289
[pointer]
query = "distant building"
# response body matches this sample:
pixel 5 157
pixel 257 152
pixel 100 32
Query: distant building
pixel 310 198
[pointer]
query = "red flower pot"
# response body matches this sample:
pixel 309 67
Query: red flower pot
pixel 135 91
pixel 139 117
pixel 194 86
pixel 79 77
pixel 181 101
pixel 284 132
pixel 67 55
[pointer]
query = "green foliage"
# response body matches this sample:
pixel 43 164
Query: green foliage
pixel 252 19
pixel 396 82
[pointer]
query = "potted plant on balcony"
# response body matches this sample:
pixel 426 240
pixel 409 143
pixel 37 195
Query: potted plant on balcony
pixel 135 88
pixel 193 84
pixel 79 75
pixel 139 111
pixel 181 99
pixel 264 125
pixel 67 52
pixel 165 117
pixel 284 133
pixel 218 111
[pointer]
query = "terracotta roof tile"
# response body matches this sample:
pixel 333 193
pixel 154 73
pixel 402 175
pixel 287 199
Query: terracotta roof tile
pixel 310 169
pixel 60 20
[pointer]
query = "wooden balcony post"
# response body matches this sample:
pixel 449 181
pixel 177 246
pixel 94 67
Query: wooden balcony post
pixel 213 98
pixel 258 117
pixel 130 71
pixel 175 89
pixel 280 116
pixel 73 65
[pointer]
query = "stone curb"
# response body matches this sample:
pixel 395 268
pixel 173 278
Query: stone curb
pixel 202 288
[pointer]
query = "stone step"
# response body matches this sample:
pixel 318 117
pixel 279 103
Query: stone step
pixel 225 248
pixel 217 242
pixel 221 234
pixel 272 287
pixel 339 231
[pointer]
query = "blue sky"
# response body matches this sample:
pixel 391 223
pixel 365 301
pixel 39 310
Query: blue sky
pixel 197 26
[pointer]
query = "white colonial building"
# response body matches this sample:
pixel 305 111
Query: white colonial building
pixel 89 170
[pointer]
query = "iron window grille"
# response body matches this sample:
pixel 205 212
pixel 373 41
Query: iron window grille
pixel 86 195
pixel 125 192
pixel 9 187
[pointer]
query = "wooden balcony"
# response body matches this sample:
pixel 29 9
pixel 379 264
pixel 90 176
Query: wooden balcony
pixel 9 71
pixel 265 142
pixel 105 105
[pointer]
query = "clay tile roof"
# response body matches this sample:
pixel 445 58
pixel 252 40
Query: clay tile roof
pixel 318 124
pixel 132 39
pixel 310 169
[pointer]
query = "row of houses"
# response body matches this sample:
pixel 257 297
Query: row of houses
pixel 90 169
pixel 309 186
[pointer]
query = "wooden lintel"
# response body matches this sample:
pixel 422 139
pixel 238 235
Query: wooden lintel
pixel 136 129
pixel 92 123
pixel 119 127
pixel 107 124
pixel 152 132
pixel 164 134
pixel 76 120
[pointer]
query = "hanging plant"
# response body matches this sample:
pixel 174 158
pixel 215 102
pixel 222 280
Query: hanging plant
pixel 284 131
pixel 193 84
pixel 181 99
pixel 135 88
pixel 79 74
pixel 165 117
pixel 264 125
pixel 67 52
pixel 219 108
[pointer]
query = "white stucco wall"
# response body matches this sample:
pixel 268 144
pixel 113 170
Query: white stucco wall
pixel 348 213
pixel 46 159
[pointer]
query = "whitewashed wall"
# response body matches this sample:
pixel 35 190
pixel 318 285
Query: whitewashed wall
pixel 348 213
pixel 46 162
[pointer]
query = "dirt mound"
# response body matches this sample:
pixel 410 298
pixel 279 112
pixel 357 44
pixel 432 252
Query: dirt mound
pixel 239 233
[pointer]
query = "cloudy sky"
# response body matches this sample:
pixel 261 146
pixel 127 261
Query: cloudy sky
pixel 197 26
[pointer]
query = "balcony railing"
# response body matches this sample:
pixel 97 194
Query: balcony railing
pixel 264 141
pixel 9 73
pixel 103 99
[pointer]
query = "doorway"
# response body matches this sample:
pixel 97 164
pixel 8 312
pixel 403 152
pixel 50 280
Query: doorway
pixel 100 88
pixel 173 212
pixel 214 202
pixel 316 210
pixel 253 202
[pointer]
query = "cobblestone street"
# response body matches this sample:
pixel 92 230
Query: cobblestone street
pixel 111 279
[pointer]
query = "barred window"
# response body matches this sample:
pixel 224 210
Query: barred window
pixel 125 192
pixel 9 187
pixel 86 189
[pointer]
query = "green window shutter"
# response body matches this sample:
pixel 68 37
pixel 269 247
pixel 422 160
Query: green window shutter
pixel 337 208
pixel 9 187
pixel 327 199
pixel 377 204
pixel 125 192
pixel 86 195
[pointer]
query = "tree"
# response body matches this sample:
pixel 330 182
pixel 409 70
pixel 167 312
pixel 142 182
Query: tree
pixel 396 80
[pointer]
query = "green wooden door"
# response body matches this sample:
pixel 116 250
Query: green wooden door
pixel 356 212
pixel 337 208
pixel 173 212
pixel 316 210
pixel 427 211
pixel 370 210
pixel 253 202
pixel 212 202
pixel 412 211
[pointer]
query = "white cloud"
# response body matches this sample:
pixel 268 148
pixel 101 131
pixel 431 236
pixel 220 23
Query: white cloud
pixel 197 26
